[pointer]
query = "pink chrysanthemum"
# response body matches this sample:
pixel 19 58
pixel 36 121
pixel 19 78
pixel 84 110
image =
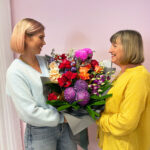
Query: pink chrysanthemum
pixel 83 54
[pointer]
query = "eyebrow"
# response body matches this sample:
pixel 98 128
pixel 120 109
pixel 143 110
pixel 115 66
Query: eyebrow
pixel 42 35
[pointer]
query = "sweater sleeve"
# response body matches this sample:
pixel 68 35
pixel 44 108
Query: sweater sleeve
pixel 131 108
pixel 17 87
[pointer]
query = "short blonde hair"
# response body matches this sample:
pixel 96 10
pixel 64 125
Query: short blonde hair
pixel 24 27
pixel 132 46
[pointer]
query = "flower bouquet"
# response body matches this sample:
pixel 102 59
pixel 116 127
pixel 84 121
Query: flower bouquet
pixel 77 83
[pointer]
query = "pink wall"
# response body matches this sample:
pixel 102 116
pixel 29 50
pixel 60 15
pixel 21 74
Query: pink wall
pixel 86 23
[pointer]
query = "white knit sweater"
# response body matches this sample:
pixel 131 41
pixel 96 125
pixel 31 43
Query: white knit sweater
pixel 24 86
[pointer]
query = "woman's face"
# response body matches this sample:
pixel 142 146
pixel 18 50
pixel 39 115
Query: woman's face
pixel 116 51
pixel 34 44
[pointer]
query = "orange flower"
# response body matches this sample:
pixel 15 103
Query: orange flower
pixel 85 69
pixel 98 69
pixel 83 72
pixel 84 76
pixel 88 66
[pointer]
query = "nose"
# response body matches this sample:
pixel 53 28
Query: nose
pixel 110 49
pixel 44 43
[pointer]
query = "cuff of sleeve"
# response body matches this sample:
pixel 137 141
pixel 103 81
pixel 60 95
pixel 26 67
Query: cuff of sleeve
pixel 61 118
pixel 98 122
pixel 103 123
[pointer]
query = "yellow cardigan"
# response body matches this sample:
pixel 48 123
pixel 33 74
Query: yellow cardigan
pixel 125 122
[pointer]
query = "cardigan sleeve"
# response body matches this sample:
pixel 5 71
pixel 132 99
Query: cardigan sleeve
pixel 17 87
pixel 131 108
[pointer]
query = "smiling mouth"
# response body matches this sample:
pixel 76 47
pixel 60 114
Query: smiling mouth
pixel 113 55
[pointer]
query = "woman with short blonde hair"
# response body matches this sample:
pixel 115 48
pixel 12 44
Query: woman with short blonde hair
pixel 25 27
pixel 124 123
pixel 46 128
pixel 132 46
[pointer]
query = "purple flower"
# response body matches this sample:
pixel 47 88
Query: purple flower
pixel 73 69
pixel 84 96
pixel 102 76
pixel 99 82
pixel 51 59
pixel 73 63
pixel 108 77
pixel 95 92
pixel 80 85
pixel 95 87
pixel 102 79
pixel 95 81
pixel 69 94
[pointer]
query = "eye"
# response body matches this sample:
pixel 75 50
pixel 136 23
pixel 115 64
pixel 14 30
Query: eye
pixel 114 45
pixel 41 37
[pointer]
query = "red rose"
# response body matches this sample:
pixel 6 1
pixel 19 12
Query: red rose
pixel 70 75
pixel 65 64
pixel 66 79
pixel 57 57
pixel 52 96
pixel 67 84
pixel 94 63
pixel 64 82
pixel 63 56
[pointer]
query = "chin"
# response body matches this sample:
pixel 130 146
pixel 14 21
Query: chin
pixel 39 51
pixel 113 61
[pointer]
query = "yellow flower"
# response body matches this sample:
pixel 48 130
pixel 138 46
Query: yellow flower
pixel 53 65
pixel 54 72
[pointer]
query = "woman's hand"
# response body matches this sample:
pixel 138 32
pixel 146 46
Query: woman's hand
pixel 65 121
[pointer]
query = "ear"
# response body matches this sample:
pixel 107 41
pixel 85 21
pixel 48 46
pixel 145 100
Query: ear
pixel 27 41
pixel 28 38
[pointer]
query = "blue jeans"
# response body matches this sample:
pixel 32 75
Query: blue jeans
pixel 49 138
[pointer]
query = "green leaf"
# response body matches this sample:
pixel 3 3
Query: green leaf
pixel 89 110
pixel 76 107
pixel 92 113
pixel 75 102
pixel 56 103
pixel 63 107
pixel 100 97
pixel 102 102
pixel 105 87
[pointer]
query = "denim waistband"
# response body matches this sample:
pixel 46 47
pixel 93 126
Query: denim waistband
pixel 61 124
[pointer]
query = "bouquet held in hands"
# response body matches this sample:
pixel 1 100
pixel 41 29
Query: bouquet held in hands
pixel 77 83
